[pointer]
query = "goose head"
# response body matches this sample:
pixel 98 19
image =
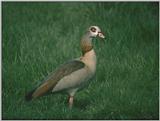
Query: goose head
pixel 95 31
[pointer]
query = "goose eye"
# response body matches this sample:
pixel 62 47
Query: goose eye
pixel 93 29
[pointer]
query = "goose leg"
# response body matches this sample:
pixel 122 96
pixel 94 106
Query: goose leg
pixel 70 101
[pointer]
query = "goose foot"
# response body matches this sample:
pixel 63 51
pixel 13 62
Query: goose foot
pixel 70 101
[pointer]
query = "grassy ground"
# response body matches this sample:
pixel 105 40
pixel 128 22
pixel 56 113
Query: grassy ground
pixel 39 36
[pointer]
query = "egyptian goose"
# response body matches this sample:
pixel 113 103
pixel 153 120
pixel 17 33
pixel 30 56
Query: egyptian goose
pixel 71 76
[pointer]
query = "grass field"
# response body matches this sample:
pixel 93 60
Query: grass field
pixel 36 37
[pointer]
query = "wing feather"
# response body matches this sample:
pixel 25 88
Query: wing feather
pixel 50 82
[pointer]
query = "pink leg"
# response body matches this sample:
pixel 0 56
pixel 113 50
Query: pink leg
pixel 70 101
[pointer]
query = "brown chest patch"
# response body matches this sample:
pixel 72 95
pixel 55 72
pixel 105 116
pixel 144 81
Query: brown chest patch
pixel 86 49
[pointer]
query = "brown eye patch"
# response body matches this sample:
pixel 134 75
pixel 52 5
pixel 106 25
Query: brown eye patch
pixel 93 29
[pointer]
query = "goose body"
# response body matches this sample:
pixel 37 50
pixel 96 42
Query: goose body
pixel 72 75
pixel 79 77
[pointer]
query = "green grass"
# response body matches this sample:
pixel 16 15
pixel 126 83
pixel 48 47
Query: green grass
pixel 36 37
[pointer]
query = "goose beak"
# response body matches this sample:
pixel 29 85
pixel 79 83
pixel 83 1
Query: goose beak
pixel 101 35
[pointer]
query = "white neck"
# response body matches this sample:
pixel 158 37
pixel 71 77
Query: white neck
pixel 89 58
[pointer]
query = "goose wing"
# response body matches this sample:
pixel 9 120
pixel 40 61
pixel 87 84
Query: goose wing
pixel 50 82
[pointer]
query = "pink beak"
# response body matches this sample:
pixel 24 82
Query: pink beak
pixel 101 35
